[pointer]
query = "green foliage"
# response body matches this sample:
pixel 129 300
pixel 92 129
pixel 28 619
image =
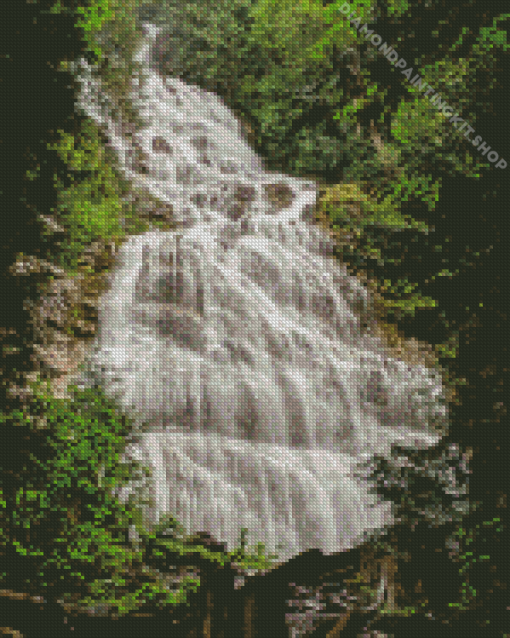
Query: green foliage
pixel 368 210
pixel 118 39
pixel 359 219
pixel 89 186
pixel 252 557
pixel 62 528
pixel 342 34
pixel 90 207
pixel 199 40
pixel 397 7
pixel 491 36
pixel 474 539
pixel 92 16
pixel 90 202
pixel 432 489
pixel 416 123
pixel 429 493
pixel 168 540
pixel 293 28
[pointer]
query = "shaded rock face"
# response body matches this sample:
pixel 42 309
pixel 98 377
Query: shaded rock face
pixel 239 342
pixel 63 318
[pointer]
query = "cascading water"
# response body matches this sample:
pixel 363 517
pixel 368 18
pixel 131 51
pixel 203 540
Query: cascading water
pixel 238 339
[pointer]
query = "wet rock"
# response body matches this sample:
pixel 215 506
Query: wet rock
pixel 53 309
pixel 229 168
pixel 163 211
pixel 145 206
pixel 90 306
pixel 309 213
pixel 183 326
pixel 243 196
pixel 246 130
pixel 84 328
pixel 160 145
pixel 184 175
pixel 96 255
pixel 200 199
pixel 200 142
pixel 280 195
pixel 140 161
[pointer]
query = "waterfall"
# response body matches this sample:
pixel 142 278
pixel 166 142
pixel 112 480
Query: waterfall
pixel 238 339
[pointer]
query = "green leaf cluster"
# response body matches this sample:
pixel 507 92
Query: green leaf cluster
pixel 362 224
pixel 461 539
pixel 90 206
pixel 91 203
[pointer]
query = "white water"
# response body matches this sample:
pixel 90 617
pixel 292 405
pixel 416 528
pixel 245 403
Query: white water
pixel 238 338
